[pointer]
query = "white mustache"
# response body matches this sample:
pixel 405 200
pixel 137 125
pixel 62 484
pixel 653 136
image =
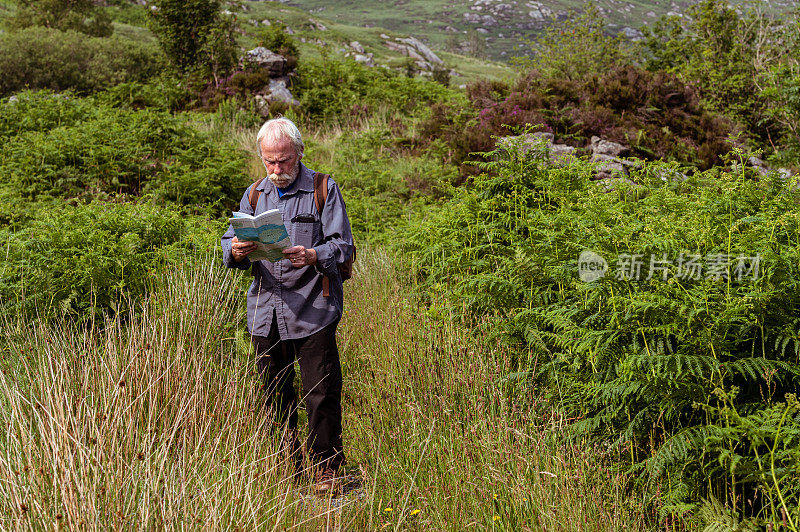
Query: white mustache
pixel 281 180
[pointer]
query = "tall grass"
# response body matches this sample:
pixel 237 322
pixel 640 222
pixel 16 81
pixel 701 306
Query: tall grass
pixel 443 449
pixel 154 423
pixel 159 422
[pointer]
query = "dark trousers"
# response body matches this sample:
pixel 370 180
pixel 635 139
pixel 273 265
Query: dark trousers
pixel 321 373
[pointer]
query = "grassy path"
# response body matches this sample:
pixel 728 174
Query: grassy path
pixel 158 423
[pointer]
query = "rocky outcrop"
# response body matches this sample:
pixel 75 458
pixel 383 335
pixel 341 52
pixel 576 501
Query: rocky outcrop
pixel 609 156
pixel 763 169
pixel 412 47
pixel 606 148
pixel 277 91
pixel 360 55
pixel 366 59
pixel 261 57
pixel 541 143
pixel 632 34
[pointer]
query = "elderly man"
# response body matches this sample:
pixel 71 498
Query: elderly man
pixel 294 304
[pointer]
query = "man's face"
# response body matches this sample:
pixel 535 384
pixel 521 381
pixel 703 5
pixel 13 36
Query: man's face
pixel 281 161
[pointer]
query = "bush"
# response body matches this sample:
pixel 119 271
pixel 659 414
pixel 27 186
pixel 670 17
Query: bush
pixel 276 39
pixel 655 114
pixel 82 260
pixel 42 58
pixel 381 180
pixel 575 46
pixel 196 35
pixel 111 151
pixel 75 15
pixel 42 111
pixel 727 55
pixel 331 89
pixel 164 93
pixel 692 378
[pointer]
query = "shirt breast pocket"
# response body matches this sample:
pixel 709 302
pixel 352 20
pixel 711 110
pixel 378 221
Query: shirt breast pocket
pixel 305 229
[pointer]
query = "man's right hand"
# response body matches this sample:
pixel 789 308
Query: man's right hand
pixel 240 250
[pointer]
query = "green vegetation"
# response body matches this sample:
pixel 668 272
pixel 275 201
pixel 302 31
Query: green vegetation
pixel 742 65
pixel 444 25
pixel 84 260
pixel 75 15
pixel 331 90
pixel 195 35
pixel 575 47
pixel 159 422
pixel 691 377
pixel 486 384
pixel 312 41
pixel 42 58
pixel 103 151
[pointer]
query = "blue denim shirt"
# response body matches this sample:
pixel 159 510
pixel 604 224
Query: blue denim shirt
pixel 295 294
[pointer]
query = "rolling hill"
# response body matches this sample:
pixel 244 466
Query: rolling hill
pixel 494 28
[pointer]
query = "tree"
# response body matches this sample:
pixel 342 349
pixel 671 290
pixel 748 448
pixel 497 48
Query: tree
pixel 475 45
pixel 722 53
pixel 196 35
pixel 574 48
pixel 78 15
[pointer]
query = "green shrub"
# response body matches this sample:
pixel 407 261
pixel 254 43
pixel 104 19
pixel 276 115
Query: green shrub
pixel 82 260
pixel 690 377
pixel 574 47
pixel 331 89
pixel 126 12
pixel 66 15
pixel 42 58
pixel 382 181
pixel 112 151
pixel 42 111
pixel 165 93
pixel 277 40
pixel 725 53
pixel 196 35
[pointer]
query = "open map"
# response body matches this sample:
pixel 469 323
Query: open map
pixel 266 230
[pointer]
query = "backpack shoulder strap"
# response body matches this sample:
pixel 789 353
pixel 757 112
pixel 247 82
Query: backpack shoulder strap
pixel 320 195
pixel 320 190
pixel 254 194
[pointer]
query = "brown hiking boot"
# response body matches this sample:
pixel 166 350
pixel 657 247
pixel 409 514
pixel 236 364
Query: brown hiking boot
pixel 326 482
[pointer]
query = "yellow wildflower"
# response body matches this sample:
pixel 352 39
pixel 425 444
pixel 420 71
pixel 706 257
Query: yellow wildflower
pixel 415 512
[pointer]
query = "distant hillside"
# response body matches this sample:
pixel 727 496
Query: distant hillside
pixel 316 32
pixel 494 27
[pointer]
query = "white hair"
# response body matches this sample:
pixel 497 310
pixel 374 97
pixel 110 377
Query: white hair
pixel 279 129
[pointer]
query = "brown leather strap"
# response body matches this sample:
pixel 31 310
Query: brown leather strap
pixel 326 286
pixel 320 196
pixel 320 190
pixel 254 194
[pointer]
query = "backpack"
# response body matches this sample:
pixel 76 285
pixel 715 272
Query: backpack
pixel 320 196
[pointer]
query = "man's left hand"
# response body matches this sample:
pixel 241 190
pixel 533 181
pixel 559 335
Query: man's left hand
pixel 300 256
